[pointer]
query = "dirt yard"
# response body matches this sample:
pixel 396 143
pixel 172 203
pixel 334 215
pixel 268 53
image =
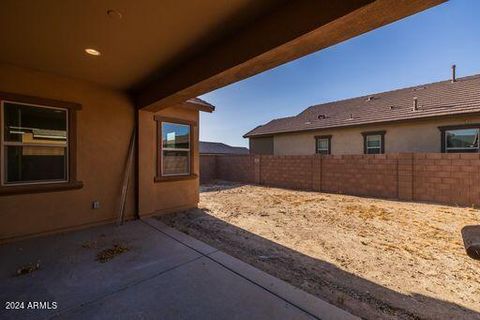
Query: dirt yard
pixel 379 259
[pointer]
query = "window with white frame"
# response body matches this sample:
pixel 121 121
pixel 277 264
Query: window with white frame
pixel 34 144
pixel 175 157
pixel 323 144
pixel 462 140
pixel 374 142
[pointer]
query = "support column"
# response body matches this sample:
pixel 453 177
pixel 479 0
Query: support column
pixel 256 167
pixel 317 172
pixel 405 176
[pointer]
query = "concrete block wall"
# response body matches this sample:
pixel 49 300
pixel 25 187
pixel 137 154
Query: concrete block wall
pixel 434 177
pixel 238 168
pixel 447 178
pixel 405 166
pixel 366 175
pixel 208 165
pixel 294 172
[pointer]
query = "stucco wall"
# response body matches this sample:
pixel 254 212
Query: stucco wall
pixel 262 145
pixel 418 136
pixel 104 127
pixel 166 196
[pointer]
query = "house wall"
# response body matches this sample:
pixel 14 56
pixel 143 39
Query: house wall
pixel 164 196
pixel 104 128
pixel 414 136
pixel 262 145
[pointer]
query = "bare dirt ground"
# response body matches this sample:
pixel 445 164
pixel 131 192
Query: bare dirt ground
pixel 379 259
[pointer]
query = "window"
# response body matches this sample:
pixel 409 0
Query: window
pixel 323 144
pixel 374 142
pixel 35 143
pixel 460 138
pixel 175 150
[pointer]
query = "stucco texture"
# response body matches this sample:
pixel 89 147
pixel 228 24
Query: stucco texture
pixel 262 145
pixel 104 128
pixel 164 196
pixel 414 136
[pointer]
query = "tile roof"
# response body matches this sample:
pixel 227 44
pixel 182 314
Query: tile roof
pixel 220 148
pixel 434 100
pixel 201 102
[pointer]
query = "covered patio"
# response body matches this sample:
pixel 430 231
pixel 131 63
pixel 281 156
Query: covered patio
pixel 100 124
pixel 164 274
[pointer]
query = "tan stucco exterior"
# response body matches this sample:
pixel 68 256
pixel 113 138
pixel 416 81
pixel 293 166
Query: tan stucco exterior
pixel 412 136
pixel 164 196
pixel 263 145
pixel 104 127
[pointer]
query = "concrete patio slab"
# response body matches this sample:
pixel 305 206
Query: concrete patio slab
pixel 293 295
pixel 69 273
pixel 164 275
pixel 201 289
pixel 190 242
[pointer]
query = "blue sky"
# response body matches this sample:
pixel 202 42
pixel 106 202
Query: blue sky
pixel 418 49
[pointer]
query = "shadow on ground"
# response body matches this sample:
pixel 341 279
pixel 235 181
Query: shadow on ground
pixel 219 185
pixel 134 271
pixel 362 297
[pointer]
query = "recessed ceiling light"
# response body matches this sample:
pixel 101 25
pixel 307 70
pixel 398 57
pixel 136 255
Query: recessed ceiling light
pixel 114 14
pixel 93 52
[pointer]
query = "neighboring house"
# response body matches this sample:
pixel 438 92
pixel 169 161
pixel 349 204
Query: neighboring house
pixel 436 117
pixel 220 148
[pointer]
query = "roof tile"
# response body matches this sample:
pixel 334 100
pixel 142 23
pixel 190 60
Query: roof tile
pixel 434 100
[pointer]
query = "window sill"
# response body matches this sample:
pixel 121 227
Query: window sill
pixel 39 188
pixel 175 178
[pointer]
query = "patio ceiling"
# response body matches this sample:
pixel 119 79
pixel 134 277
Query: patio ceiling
pixel 165 52
pixel 52 35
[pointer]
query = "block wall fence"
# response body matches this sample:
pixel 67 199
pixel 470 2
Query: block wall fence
pixel 450 178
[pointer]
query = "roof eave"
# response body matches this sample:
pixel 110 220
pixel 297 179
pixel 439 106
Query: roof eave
pixel 199 105
pixel 269 134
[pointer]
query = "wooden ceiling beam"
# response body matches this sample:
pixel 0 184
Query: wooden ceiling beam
pixel 292 30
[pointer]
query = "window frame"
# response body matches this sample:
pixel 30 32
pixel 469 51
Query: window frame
pixel 187 150
pixel 70 182
pixel 443 138
pixel 329 140
pixel 374 133
pixel 159 176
